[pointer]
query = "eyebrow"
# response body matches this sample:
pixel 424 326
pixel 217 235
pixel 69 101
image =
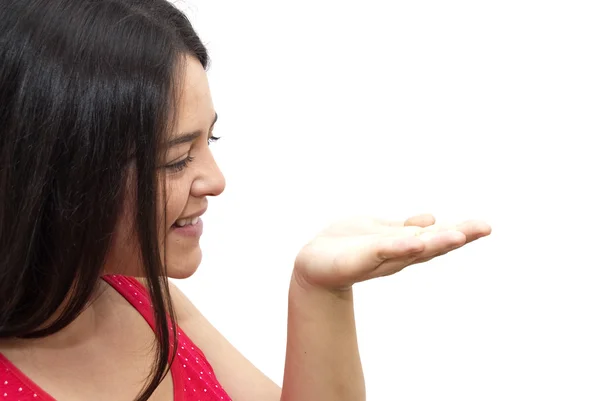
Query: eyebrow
pixel 189 136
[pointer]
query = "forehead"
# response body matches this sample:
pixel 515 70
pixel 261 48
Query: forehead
pixel 195 106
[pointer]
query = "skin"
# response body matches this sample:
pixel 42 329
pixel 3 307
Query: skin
pixel 322 358
pixel 106 352
pixel 87 358
pixel 187 188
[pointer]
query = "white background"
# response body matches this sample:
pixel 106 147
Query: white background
pixel 464 109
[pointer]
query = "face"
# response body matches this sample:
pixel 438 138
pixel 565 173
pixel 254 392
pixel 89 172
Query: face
pixel 190 175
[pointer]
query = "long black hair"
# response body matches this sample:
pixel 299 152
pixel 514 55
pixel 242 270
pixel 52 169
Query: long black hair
pixel 88 88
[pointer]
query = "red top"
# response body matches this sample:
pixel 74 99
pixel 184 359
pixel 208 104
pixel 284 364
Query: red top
pixel 193 377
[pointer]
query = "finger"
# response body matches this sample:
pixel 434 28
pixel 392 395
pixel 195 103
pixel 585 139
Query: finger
pixel 394 254
pixel 436 228
pixel 422 220
pixel 441 241
pixel 394 248
pixel 437 255
pixel 367 253
pixel 438 243
pixel 418 231
pixel 474 229
pixel 395 258
pixel 428 258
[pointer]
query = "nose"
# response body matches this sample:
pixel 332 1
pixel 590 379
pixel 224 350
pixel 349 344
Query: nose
pixel 209 180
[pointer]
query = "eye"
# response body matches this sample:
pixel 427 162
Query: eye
pixel 180 165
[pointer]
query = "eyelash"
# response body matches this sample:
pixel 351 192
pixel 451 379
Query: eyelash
pixel 180 165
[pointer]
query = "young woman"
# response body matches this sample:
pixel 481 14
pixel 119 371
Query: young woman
pixel 105 170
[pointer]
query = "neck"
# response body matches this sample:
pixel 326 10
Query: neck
pixel 85 326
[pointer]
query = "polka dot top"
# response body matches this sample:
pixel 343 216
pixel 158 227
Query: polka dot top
pixel 193 377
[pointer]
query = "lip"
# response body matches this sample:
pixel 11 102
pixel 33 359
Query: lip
pixel 190 230
pixel 191 216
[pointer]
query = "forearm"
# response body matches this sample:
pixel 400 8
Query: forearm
pixel 322 359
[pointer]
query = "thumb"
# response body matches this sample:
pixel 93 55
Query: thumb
pixel 422 220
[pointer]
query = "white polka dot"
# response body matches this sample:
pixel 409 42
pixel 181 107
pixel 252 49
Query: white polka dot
pixel 189 378
pixel 184 366
pixel 6 382
pixel 35 395
pixel 205 390
pixel 20 388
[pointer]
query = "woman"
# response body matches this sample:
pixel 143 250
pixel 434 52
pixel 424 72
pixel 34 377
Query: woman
pixel 105 121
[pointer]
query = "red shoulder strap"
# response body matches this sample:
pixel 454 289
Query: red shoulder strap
pixel 135 293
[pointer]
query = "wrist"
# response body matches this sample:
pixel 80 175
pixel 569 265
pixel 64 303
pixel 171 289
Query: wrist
pixel 299 284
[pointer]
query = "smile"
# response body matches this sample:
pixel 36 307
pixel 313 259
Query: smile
pixel 187 222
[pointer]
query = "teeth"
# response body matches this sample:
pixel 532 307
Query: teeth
pixel 185 222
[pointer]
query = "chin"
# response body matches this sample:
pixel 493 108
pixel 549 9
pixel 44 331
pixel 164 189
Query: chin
pixel 184 267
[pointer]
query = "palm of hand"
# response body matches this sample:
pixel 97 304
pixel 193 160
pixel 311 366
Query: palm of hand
pixel 360 249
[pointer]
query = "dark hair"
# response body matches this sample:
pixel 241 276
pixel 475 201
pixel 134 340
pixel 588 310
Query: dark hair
pixel 86 88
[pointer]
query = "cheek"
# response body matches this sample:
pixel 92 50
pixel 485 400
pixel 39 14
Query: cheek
pixel 183 256
pixel 177 194
pixel 124 253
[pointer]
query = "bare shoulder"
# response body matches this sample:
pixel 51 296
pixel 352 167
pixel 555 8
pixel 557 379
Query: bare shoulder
pixel 191 321
pixel 184 309
pixel 186 312
pixel 240 378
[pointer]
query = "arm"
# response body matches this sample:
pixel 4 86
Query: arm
pixel 322 359
pixel 238 376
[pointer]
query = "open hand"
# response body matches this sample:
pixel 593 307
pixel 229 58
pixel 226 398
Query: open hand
pixel 360 249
